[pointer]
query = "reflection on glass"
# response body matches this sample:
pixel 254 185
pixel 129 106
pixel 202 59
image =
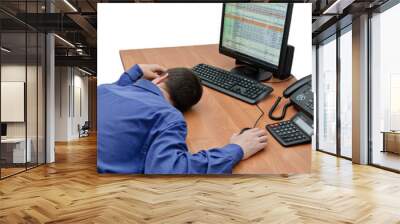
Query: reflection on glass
pixel 22 91
pixel 385 87
pixel 31 101
pixel 32 89
pixel 395 102
pixel 41 98
pixel 327 97
pixel 14 152
pixel 346 94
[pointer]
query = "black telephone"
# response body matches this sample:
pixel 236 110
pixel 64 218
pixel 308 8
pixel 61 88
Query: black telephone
pixel 301 97
pixel 299 129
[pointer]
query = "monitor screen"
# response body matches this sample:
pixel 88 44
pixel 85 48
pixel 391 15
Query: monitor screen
pixel 255 30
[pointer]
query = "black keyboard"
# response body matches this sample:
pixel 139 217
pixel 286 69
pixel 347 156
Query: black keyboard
pixel 292 132
pixel 240 87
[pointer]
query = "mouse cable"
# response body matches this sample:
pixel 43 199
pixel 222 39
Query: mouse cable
pixel 261 115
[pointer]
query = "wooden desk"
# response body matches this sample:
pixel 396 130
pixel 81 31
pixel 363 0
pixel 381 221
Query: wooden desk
pixel 15 148
pixel 391 141
pixel 217 116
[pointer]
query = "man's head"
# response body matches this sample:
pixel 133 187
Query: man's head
pixel 183 87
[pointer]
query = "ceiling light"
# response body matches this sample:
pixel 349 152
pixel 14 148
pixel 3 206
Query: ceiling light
pixel 84 71
pixel 65 41
pixel 5 50
pixel 337 7
pixel 70 5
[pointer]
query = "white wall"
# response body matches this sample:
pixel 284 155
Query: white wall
pixel 14 72
pixel 13 93
pixel 80 83
pixel 66 121
pixel 149 25
pixel 61 103
pixel 300 37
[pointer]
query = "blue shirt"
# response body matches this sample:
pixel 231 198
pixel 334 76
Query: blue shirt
pixel 139 131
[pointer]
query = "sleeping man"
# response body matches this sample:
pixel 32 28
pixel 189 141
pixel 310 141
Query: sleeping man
pixel 141 128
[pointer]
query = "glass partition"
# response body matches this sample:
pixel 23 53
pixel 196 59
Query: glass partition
pixel 23 89
pixel 14 154
pixel 385 89
pixel 327 96
pixel 31 99
pixel 34 60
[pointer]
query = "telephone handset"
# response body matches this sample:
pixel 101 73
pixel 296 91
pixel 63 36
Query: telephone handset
pixel 300 96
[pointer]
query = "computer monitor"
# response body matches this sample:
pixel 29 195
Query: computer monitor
pixel 256 35
pixel 3 129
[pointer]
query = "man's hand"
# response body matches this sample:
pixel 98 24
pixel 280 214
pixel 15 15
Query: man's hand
pixel 251 141
pixel 152 71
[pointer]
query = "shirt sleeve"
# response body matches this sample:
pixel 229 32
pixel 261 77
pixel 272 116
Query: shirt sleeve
pixel 168 154
pixel 131 76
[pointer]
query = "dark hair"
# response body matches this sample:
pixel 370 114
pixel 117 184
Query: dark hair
pixel 184 88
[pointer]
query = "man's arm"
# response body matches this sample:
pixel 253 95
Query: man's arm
pixel 168 154
pixel 147 71
pixel 130 76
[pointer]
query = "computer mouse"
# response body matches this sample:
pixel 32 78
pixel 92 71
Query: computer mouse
pixel 243 130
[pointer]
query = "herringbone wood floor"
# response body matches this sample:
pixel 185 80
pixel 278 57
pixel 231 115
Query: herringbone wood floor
pixel 70 191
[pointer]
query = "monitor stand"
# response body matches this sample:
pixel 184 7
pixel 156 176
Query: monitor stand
pixel 249 71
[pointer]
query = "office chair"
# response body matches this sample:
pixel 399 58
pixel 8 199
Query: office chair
pixel 84 130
